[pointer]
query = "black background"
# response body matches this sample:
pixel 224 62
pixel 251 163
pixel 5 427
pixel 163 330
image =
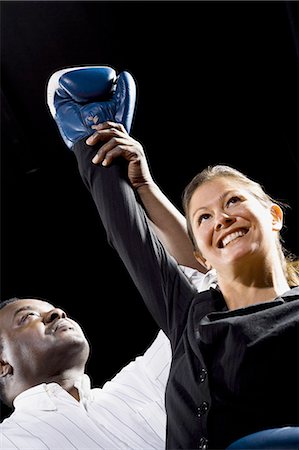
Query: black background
pixel 217 83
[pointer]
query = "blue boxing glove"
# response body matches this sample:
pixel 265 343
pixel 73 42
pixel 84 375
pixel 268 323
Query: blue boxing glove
pixel 79 97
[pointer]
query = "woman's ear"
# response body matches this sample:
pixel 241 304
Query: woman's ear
pixel 198 256
pixel 277 217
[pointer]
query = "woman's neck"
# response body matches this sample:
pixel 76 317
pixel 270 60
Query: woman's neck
pixel 247 288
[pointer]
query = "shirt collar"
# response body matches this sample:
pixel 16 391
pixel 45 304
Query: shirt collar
pixel 291 294
pixel 44 396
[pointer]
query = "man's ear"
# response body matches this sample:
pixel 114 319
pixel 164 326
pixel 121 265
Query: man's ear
pixel 5 368
pixel 277 217
pixel 198 256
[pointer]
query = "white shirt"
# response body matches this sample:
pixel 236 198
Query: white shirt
pixel 127 412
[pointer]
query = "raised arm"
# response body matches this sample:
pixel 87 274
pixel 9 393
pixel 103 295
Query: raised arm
pixel 68 92
pixel 167 221
pixel 155 273
pixel 71 95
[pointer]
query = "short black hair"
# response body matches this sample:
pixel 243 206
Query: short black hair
pixel 15 299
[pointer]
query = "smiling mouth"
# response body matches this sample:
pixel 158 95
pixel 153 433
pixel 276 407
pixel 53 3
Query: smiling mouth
pixel 232 237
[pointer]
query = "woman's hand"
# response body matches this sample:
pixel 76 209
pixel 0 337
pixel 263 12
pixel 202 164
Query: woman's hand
pixel 118 143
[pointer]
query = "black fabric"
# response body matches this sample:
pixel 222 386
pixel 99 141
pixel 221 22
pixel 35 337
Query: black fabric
pixel 233 372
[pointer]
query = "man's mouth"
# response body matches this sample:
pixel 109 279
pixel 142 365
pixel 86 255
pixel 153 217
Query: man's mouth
pixel 62 325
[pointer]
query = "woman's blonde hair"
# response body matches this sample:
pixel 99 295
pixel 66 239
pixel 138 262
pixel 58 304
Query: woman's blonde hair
pixel 289 261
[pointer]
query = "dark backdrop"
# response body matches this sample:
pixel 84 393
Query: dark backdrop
pixel 217 82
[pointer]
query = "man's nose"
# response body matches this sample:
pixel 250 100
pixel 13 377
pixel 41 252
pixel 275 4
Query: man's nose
pixel 54 314
pixel 223 220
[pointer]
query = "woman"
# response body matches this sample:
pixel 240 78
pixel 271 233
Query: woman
pixel 234 348
pixel 251 269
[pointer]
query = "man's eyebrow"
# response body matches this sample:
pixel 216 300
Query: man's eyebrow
pixel 23 308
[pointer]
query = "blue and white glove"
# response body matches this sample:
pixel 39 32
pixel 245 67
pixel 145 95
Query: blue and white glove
pixel 79 97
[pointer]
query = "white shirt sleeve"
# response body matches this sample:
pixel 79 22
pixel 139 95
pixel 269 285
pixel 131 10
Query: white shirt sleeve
pixel 147 374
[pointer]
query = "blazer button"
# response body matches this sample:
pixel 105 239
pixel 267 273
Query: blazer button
pixel 203 443
pixel 202 375
pixel 202 409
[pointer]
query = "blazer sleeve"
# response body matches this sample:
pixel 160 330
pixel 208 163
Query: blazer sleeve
pixel 165 289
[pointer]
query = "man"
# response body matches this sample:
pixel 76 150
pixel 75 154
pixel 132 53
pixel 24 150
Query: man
pixel 43 359
pixel 44 353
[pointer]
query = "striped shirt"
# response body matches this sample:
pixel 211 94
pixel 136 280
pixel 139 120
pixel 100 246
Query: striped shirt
pixel 127 412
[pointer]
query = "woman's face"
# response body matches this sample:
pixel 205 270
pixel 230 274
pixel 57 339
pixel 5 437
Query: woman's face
pixel 230 225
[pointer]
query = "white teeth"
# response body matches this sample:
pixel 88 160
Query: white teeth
pixel 231 237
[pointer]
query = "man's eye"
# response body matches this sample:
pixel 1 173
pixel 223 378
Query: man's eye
pixel 27 315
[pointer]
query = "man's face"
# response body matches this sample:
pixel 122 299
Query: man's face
pixel 40 341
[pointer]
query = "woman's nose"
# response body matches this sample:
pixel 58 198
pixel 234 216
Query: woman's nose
pixel 223 221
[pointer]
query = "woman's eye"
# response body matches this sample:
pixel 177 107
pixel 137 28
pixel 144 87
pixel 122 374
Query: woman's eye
pixel 203 217
pixel 233 200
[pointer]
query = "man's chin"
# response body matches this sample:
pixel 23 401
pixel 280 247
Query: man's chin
pixel 69 348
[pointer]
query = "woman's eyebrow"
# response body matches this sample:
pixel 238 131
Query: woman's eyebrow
pixel 221 197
